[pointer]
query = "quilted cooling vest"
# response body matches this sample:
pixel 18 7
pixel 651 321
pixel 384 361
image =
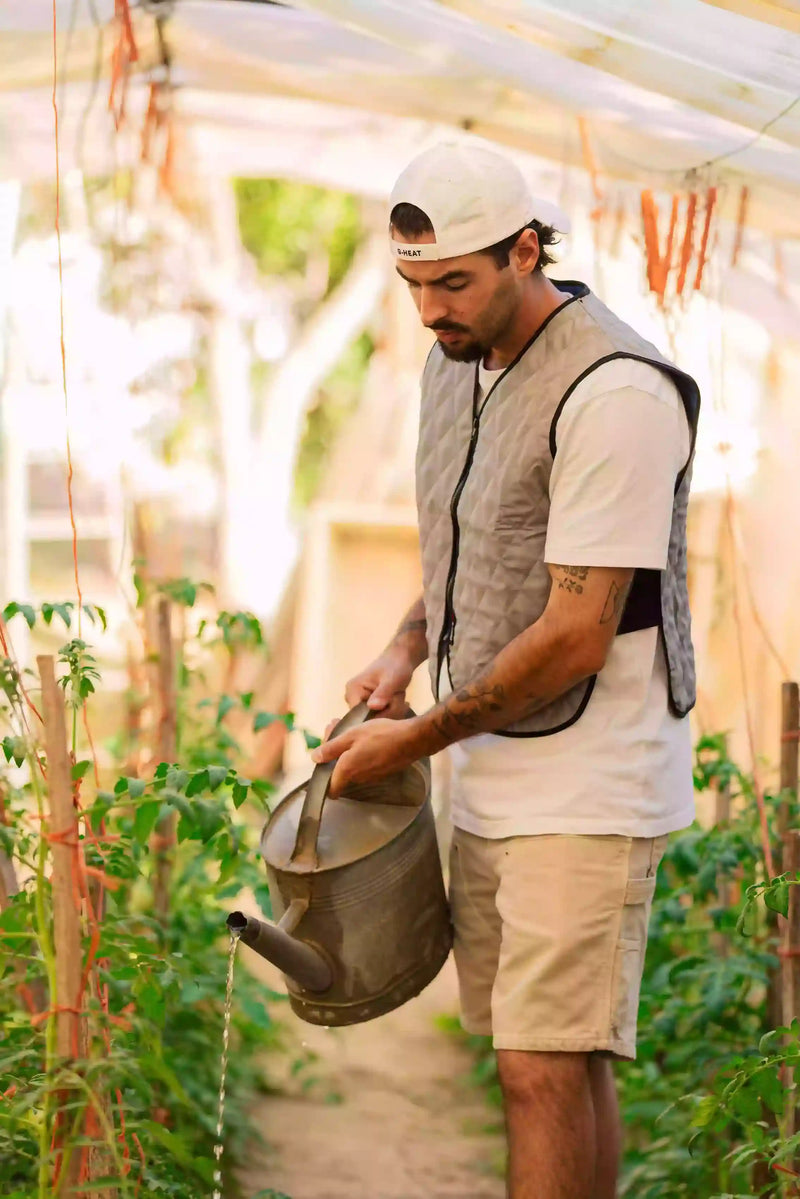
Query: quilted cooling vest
pixel 483 474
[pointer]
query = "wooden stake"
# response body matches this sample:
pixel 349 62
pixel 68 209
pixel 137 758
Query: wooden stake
pixel 66 896
pixel 722 817
pixel 791 970
pixel 63 829
pixel 790 726
pixel 164 838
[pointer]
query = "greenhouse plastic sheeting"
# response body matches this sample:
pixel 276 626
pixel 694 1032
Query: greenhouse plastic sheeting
pixel 664 88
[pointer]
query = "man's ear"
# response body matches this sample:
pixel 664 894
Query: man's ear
pixel 525 252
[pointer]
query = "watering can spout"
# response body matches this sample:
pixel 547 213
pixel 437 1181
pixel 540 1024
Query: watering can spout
pixel 304 964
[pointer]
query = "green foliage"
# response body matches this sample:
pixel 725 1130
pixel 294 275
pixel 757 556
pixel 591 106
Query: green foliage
pixel 284 224
pixel 705 1099
pixel 65 611
pixel 79 682
pixel 156 1006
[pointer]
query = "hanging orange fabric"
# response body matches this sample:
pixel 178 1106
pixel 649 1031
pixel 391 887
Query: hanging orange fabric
pixel 124 54
pixel 658 264
pixel 711 199
pixel 687 248
pixel 590 163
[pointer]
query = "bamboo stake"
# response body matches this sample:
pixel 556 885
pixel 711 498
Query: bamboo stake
pixel 63 830
pixel 164 839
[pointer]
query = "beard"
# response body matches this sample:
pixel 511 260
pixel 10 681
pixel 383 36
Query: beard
pixel 477 340
pixel 471 351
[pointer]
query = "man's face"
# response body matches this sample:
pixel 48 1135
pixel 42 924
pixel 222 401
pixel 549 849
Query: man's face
pixel 468 301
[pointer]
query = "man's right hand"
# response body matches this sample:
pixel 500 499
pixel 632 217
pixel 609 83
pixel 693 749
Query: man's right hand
pixel 383 683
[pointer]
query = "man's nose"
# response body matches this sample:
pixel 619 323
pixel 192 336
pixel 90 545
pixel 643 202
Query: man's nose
pixel 432 307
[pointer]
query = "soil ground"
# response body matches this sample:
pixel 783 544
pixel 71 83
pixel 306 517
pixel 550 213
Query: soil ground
pixel 383 1110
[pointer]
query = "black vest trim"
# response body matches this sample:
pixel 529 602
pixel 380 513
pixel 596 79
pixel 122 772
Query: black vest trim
pixel 643 606
pixel 559 728
pixel 575 291
pixel 688 389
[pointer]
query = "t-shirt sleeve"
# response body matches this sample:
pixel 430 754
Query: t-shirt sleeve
pixel 619 452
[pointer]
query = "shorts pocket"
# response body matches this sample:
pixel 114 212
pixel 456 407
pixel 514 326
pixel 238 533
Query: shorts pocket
pixel 629 958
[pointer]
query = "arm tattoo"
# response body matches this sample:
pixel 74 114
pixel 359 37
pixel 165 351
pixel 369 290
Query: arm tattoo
pixel 412 626
pixel 474 703
pixel 615 602
pixel 572 578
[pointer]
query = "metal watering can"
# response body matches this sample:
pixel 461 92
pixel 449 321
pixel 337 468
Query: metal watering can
pixel 356 885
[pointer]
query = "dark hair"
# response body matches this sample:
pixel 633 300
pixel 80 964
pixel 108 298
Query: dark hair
pixel 411 221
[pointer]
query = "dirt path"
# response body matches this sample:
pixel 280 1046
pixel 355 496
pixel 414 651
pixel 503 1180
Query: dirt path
pixel 389 1116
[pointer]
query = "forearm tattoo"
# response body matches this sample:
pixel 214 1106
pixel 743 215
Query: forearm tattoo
pixel 465 712
pixel 412 626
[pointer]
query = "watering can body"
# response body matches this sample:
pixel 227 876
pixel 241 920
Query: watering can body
pixel 356 886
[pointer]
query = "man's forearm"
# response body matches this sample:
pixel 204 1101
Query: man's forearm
pixel 533 670
pixel 411 635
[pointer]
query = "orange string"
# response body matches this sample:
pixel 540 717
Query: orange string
pixel 26 994
pixel 5 641
pixel 41 1017
pixel 80 871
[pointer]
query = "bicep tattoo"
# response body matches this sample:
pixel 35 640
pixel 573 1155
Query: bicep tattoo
pixel 615 602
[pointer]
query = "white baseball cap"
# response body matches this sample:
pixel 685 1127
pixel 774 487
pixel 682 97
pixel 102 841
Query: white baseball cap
pixel 472 196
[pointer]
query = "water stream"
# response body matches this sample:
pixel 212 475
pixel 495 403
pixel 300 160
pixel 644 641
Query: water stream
pixel 226 1032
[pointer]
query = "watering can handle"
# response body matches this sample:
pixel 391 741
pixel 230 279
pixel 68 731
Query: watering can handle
pixel 304 853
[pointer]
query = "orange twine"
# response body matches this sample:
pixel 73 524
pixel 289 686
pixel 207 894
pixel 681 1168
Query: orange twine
pixel 125 53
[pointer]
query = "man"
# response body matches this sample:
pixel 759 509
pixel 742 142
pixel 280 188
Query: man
pixel 552 481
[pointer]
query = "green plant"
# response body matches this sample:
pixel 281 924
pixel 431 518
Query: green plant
pixel 705 1101
pixel 144 1090
pixel 284 224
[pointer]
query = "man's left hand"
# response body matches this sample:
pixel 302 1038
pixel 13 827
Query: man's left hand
pixel 369 752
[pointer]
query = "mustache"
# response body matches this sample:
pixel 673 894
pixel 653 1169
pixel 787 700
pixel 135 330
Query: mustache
pixel 447 327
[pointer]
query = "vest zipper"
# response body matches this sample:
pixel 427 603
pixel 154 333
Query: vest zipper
pixel 447 635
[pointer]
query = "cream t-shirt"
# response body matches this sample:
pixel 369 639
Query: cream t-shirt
pixel 625 766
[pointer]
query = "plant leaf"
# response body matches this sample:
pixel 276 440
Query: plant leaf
pixel 144 820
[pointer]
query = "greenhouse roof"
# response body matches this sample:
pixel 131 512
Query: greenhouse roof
pixel 665 95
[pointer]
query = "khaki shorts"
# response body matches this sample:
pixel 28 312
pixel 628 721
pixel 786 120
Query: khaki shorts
pixel 550 936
